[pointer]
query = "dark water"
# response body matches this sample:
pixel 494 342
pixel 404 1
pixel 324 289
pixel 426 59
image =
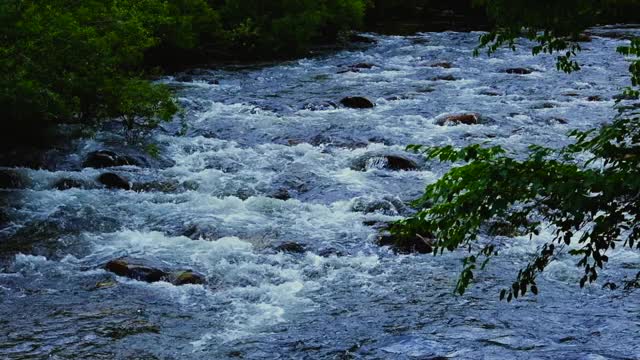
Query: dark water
pixel 264 129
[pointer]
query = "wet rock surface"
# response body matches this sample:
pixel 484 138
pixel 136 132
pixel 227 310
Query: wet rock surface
pixel 519 71
pixel 404 244
pixel 290 247
pixel 105 158
pixel 67 183
pixel 357 102
pixel 152 271
pixel 385 161
pixel 455 119
pixel 114 181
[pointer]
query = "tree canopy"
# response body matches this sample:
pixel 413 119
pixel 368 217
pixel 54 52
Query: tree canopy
pixel 83 62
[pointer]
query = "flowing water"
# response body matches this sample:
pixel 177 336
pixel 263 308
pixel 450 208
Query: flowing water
pixel 265 130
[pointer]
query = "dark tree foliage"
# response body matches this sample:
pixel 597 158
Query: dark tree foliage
pixel 590 205
pixel 84 62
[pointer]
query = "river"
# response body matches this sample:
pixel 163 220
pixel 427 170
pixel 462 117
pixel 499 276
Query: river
pixel 268 158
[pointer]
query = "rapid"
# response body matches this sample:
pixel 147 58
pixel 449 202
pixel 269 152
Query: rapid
pixel 270 157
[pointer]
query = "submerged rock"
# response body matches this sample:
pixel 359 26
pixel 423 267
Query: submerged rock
pixel 442 64
pixel 66 184
pixel 150 271
pixel 319 106
pixel 388 205
pixel 406 244
pixel 445 78
pixel 357 38
pixel 519 71
pixel 12 179
pixel 454 119
pixel 389 162
pixel 357 102
pixel 105 158
pixel 281 194
pixel 290 247
pixel 186 277
pixel 114 181
pixel 356 68
pixel 362 66
pixel 197 231
pixel 159 186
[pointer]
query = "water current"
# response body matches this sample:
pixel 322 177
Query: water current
pixel 271 157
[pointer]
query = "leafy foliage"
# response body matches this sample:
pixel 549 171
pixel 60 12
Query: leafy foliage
pixel 590 205
pixel 84 62
pixel 284 27
pixel 76 62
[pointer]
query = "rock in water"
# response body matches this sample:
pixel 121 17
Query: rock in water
pixel 11 179
pixel 357 102
pixel 362 66
pixel 150 271
pixel 356 38
pixel 186 277
pixel 445 78
pixel 105 158
pixel 290 247
pixel 136 269
pixel 114 181
pixel 389 162
pixel 407 244
pixel 400 163
pixel 465 118
pixel 443 64
pixel 66 184
pixel 519 71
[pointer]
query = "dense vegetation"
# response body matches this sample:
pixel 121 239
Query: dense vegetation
pixel 585 193
pixel 81 62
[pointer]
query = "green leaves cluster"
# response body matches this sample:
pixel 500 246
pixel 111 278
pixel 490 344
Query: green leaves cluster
pixel 285 27
pixel 83 62
pixel 78 62
pixel 586 193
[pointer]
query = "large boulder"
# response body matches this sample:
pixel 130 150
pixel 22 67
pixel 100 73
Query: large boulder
pixel 357 102
pixel 150 271
pixel 114 181
pixel 12 179
pixel 462 118
pixel 105 158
